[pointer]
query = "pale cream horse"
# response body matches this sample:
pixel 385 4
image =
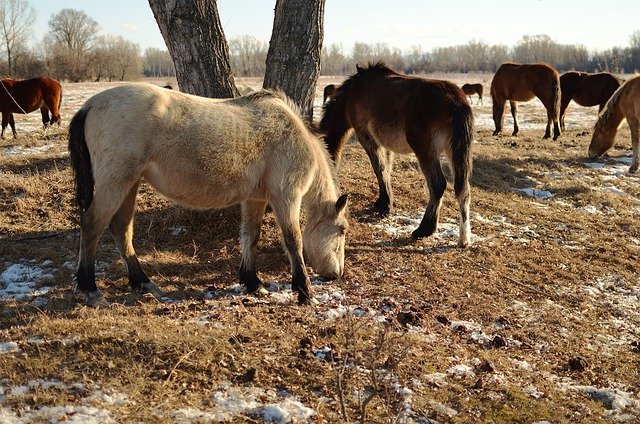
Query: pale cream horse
pixel 623 104
pixel 204 153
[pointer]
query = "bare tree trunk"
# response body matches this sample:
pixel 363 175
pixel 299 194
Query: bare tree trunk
pixel 194 36
pixel 293 60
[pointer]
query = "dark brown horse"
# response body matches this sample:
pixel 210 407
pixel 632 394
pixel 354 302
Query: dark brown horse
pixel 328 91
pixel 470 89
pixel 586 90
pixel 394 113
pixel 521 83
pixel 28 95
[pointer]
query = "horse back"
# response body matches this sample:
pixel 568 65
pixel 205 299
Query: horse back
pixel 521 82
pixel 200 152
pixel 397 110
pixel 30 94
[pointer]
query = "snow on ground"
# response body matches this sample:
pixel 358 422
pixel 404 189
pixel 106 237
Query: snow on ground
pixel 23 281
pixel 92 408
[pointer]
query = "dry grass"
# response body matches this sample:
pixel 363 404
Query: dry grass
pixel 491 333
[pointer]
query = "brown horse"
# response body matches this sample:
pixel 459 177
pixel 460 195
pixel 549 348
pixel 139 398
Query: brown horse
pixel 328 91
pixel 28 95
pixel 395 113
pixel 623 104
pixel 204 153
pixel 586 90
pixel 516 82
pixel 470 89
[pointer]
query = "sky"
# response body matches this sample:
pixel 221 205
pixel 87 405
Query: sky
pixel 398 23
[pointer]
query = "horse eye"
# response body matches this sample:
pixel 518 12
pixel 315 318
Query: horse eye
pixel 343 229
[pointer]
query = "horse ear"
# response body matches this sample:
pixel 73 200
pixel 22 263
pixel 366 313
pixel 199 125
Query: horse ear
pixel 341 203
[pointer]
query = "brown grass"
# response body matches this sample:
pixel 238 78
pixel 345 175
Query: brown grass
pixel 408 297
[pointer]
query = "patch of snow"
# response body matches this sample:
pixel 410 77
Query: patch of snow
pixel 461 370
pixel 9 347
pixel 533 392
pixel 537 193
pixel 610 188
pixel 18 281
pixel 22 150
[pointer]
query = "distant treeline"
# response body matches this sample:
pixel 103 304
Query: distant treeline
pixel 72 50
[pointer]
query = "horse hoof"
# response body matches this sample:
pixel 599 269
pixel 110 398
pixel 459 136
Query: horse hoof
pixel 153 289
pixel 382 208
pixel 304 299
pixel 419 233
pixel 95 299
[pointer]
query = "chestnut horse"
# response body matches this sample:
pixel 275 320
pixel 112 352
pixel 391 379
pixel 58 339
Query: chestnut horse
pixel 204 153
pixel 521 83
pixel 470 89
pixel 586 90
pixel 28 95
pixel 623 104
pixel 395 113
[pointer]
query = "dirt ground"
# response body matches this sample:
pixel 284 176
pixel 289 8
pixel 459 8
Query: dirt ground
pixel 537 321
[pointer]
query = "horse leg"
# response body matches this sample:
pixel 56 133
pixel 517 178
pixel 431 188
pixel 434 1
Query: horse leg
pixel 252 213
pixel 12 123
pixel 288 216
pixel 121 227
pixel 514 111
pixel 634 126
pixel 44 111
pixel 382 164
pixel 437 184
pixel 563 108
pixel 5 122
pixel 498 113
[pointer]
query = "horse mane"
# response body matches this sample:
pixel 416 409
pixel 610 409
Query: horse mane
pixel 372 70
pixel 609 108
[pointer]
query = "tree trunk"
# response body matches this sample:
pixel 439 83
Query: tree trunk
pixel 194 36
pixel 293 59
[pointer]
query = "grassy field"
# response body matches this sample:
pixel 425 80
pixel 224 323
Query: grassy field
pixel 538 320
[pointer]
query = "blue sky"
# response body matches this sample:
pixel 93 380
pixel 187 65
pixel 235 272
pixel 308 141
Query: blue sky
pixel 399 23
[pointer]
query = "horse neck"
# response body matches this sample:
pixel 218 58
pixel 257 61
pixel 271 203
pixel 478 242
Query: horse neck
pixel 335 126
pixel 322 191
pixel 611 116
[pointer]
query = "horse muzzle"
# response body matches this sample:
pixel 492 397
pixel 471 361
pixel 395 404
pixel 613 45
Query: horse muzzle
pixel 593 155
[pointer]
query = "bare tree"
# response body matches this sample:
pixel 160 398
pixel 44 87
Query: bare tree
pixel 193 33
pixel 293 60
pixel 71 35
pixel 16 21
pixel 116 58
pixel 248 55
pixel 157 63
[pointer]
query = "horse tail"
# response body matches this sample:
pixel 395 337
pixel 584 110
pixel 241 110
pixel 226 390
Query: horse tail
pixel 81 161
pixel 557 95
pixel 461 139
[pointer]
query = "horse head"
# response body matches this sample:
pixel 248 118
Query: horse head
pixel 324 238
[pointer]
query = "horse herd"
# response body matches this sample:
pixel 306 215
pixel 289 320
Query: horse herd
pixel 256 150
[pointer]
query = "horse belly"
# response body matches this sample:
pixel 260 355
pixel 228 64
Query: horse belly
pixel 394 140
pixel 198 190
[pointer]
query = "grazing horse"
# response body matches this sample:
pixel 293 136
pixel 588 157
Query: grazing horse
pixel 204 153
pixel 624 103
pixel 28 95
pixel 521 83
pixel 586 90
pixel 328 91
pixel 470 89
pixel 395 113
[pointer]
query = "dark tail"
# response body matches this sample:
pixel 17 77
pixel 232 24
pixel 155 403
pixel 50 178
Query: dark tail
pixel 461 139
pixel 555 87
pixel 81 161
